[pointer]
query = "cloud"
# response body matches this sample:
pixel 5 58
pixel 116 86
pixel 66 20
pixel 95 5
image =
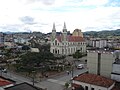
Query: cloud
pixel 39 15
pixel 45 2
pixel 27 20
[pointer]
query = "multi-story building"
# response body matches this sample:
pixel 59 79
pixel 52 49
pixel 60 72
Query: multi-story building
pixel 114 43
pixel 65 44
pixel 77 32
pixel 100 62
pixel 97 42
pixel 115 75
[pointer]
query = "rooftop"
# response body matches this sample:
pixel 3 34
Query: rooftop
pixel 5 82
pixel 72 38
pixel 117 86
pixel 23 86
pixel 95 80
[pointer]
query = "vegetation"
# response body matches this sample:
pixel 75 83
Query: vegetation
pixel 66 85
pixel 41 61
pixel 103 34
pixel 77 55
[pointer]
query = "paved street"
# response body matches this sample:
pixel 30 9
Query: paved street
pixel 54 83
pixel 51 83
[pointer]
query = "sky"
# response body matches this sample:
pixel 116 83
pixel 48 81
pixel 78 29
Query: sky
pixel 39 15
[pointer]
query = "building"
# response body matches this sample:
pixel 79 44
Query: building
pixel 100 62
pixel 65 44
pixel 34 50
pixel 97 42
pixel 115 75
pixel 4 83
pixel 92 82
pixel 77 32
pixel 23 86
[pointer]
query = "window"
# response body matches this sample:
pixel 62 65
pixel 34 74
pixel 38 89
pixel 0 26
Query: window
pixel 62 51
pixel 53 50
pixel 92 89
pixel 55 42
pixel 86 87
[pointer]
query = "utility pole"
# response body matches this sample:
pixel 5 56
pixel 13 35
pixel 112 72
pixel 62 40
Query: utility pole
pixel 33 77
pixel 72 70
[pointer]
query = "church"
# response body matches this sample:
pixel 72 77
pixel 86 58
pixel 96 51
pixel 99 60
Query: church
pixel 67 44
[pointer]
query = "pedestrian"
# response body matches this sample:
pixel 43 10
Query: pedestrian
pixel 68 72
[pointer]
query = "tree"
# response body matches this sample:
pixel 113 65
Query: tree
pixel 36 61
pixel 77 54
pixel 25 47
pixel 66 85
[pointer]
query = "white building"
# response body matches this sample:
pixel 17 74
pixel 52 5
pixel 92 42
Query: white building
pixel 115 75
pixel 100 62
pixel 66 44
pixel 92 82
pixel 99 43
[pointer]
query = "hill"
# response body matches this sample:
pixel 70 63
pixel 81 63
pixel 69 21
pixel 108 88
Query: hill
pixel 103 34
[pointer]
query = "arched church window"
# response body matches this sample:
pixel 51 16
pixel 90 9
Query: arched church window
pixel 55 42
pixel 53 50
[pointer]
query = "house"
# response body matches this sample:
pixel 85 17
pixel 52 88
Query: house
pixel 92 82
pixel 34 50
pixel 4 83
pixel 66 44
pixel 23 86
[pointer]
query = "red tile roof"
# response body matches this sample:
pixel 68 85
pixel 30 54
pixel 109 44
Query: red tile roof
pixel 4 82
pixel 75 39
pixel 95 80
pixel 71 38
pixel 59 38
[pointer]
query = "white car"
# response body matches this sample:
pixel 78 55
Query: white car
pixel 4 70
pixel 80 66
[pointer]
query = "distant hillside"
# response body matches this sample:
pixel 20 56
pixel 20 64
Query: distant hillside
pixel 103 34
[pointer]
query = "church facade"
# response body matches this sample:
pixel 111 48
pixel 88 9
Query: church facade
pixel 65 44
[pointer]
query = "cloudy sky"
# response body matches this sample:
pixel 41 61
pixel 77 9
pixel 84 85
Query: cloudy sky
pixel 39 15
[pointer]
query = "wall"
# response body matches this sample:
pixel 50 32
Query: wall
pixel 90 86
pixel 116 70
pixel 105 63
pixel 92 62
pixel 69 47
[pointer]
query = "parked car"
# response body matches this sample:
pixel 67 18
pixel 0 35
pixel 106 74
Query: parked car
pixel 80 66
pixel 4 70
